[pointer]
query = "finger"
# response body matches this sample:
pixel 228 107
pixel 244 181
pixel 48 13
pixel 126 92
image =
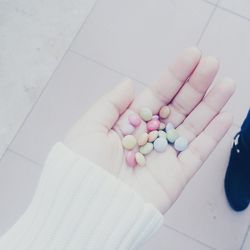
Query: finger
pixel 104 114
pixel 208 108
pixel 200 148
pixel 194 90
pixel 166 88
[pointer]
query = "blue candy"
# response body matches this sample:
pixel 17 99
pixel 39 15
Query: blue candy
pixel 160 144
pixel 181 144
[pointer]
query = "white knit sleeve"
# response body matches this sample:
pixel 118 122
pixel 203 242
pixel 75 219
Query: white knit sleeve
pixel 78 205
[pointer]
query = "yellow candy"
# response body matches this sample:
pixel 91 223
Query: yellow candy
pixel 129 142
pixel 146 114
pixel 143 138
pixel 152 135
pixel 162 126
pixel 140 159
pixel 164 112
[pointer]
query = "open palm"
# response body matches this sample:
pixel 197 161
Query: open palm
pixel 194 112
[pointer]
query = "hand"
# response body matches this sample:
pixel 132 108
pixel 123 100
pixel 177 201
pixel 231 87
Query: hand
pixel 197 116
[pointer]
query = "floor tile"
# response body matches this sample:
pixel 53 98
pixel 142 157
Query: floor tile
pixel 246 245
pixel 241 7
pixel 211 1
pixel 18 180
pixel 202 211
pixel 166 238
pixel 141 37
pixel 74 87
pixel 34 37
pixel 231 46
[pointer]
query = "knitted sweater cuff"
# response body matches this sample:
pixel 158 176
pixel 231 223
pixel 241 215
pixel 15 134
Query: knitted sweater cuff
pixel 78 205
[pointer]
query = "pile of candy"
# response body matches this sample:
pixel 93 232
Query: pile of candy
pixel 157 138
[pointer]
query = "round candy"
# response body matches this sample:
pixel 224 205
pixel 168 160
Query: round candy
pixel 172 135
pixel 130 158
pixel 164 112
pixel 160 144
pixel 146 149
pixel 155 117
pixel 153 125
pixel 181 144
pixel 128 142
pixel 152 135
pixel 162 126
pixel 142 140
pixel 146 114
pixel 169 126
pixel 127 129
pixel 134 120
pixel 162 134
pixel 140 159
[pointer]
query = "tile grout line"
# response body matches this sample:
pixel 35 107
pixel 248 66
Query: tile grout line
pixel 227 10
pixel 47 83
pixel 207 23
pixel 106 67
pixel 245 237
pixel 233 12
pixel 188 236
pixel 24 157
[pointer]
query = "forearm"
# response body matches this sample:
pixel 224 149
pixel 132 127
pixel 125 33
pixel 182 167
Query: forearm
pixel 78 205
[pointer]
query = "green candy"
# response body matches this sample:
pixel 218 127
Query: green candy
pixel 146 149
pixel 162 134
pixel 172 135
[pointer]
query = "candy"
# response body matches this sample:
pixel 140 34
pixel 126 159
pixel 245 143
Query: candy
pixel 155 117
pixel 152 135
pixel 146 114
pixel 142 140
pixel 128 142
pixel 172 135
pixel 140 159
pixel 162 134
pixel 134 120
pixel 160 144
pixel 130 158
pixel 164 112
pixel 153 125
pixel 127 129
pixel 146 149
pixel 169 126
pixel 181 144
pixel 162 126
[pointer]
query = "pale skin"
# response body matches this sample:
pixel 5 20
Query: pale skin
pixel 195 112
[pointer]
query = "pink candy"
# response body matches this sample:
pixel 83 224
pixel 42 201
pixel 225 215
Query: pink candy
pixel 134 120
pixel 153 125
pixel 130 158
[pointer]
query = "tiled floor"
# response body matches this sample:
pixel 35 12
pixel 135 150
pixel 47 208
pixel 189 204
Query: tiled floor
pixel 138 39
